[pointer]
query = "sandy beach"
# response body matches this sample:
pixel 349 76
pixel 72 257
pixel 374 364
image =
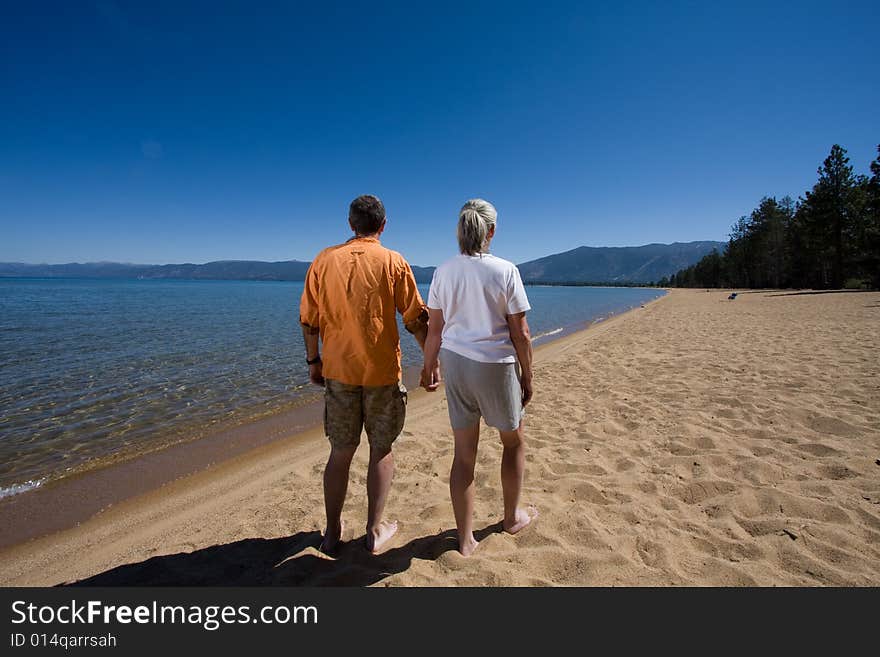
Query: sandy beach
pixel 696 441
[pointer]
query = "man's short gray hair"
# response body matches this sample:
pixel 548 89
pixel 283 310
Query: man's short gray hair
pixel 474 221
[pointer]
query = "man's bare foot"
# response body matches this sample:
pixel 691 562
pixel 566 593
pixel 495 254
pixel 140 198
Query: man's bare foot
pixel 467 546
pixel 379 535
pixel 522 519
pixel 332 539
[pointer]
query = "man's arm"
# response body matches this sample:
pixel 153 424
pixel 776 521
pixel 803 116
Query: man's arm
pixel 311 338
pixel 522 343
pixel 419 328
pixel 310 320
pixel 410 305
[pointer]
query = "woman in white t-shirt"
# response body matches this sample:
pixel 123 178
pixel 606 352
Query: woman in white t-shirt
pixel 478 335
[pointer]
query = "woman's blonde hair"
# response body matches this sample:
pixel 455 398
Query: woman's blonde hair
pixel 474 221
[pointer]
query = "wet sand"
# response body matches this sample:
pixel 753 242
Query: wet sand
pixel 696 441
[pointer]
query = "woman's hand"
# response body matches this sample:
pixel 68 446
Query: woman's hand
pixel 430 380
pixel 526 384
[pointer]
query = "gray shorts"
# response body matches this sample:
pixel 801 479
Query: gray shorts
pixel 487 390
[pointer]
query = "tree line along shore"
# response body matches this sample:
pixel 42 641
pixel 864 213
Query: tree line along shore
pixel 828 239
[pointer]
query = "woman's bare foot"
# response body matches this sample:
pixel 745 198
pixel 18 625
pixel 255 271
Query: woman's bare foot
pixel 467 546
pixel 332 539
pixel 522 518
pixel 379 535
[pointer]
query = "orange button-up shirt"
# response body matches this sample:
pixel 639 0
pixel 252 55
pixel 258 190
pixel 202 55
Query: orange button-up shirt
pixel 352 292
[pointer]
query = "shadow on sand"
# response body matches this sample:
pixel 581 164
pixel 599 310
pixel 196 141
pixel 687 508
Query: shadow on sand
pixel 794 294
pixel 288 561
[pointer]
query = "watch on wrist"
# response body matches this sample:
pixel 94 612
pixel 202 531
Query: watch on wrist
pixel 314 361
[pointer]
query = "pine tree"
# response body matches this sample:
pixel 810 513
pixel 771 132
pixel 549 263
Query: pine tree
pixel 871 235
pixel 828 215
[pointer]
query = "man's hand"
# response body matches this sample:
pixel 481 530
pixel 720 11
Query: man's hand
pixel 316 374
pixel 419 328
pixel 526 384
pixel 430 381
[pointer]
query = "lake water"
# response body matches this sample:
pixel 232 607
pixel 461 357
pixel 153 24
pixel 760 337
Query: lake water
pixel 96 370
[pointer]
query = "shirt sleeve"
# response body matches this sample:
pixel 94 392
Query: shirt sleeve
pixel 406 295
pixel 434 294
pixel 517 301
pixel 309 312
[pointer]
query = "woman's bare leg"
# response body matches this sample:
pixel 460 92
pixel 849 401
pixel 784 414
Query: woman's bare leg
pixel 461 485
pixel 513 465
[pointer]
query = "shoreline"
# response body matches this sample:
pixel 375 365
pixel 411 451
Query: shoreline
pixel 69 501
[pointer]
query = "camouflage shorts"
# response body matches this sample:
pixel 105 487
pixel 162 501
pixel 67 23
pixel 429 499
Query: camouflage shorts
pixel 348 409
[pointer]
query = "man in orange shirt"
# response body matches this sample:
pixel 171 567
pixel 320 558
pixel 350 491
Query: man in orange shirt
pixel 351 296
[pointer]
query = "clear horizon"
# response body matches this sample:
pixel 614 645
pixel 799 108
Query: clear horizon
pixel 166 135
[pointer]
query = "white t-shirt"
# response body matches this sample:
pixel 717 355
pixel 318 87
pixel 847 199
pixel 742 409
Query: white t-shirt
pixel 476 293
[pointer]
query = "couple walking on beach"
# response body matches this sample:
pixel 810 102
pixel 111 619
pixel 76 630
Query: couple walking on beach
pixel 473 330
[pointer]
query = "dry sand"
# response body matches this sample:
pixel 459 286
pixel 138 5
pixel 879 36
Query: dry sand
pixel 696 441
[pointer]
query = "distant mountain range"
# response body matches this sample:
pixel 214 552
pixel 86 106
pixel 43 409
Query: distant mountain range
pixel 222 270
pixel 631 264
pixel 624 264
pixel 292 270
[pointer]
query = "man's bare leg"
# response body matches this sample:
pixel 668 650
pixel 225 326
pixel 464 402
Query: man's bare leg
pixel 513 465
pixel 461 486
pixel 379 476
pixel 335 488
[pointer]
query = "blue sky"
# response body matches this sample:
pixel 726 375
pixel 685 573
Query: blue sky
pixel 161 132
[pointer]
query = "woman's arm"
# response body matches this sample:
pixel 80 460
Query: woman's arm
pixel 522 342
pixel 430 378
